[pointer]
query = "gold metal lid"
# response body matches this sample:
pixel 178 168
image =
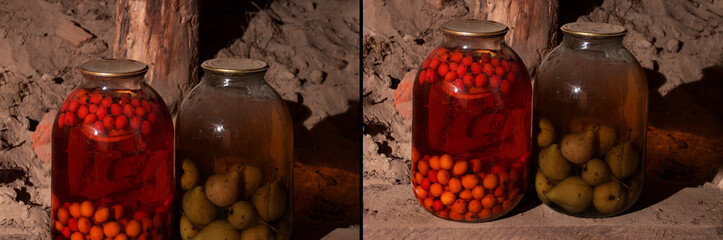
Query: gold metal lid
pixel 594 29
pixel 113 68
pixel 235 66
pixel 474 28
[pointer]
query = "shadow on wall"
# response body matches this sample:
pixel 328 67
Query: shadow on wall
pixel 571 10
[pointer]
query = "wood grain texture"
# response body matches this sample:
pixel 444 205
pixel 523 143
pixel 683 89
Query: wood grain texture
pixel 164 35
pixel 532 23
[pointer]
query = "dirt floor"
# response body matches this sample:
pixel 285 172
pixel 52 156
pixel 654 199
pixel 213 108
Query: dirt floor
pixel 312 48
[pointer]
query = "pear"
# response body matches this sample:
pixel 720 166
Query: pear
pixel 578 147
pixel 542 185
pixel 270 201
pixel 223 190
pixel 242 215
pixel 572 194
pixel 553 164
pixel 197 207
pixel 258 232
pixel 190 176
pixel 187 229
pixel 219 229
pixel 252 177
pixel 623 160
pixel 605 137
pixel 547 133
pixel 634 188
pixel 595 172
pixel 609 197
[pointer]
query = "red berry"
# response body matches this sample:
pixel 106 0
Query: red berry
pixel 510 77
pixel 475 67
pixel 505 86
pixel 61 120
pixel 455 57
pixel 468 80
pixel 81 93
pixel 125 98
pixel 499 70
pixel 146 128
pixel 99 126
pixel 82 111
pixel 135 122
pixel 505 65
pixel 480 80
pixel 107 101
pixel 438 206
pixel 495 81
pixel 443 69
pixel 461 70
pixel 73 224
pixel 425 64
pixel 66 232
pixel 128 110
pixel 426 183
pixel 74 105
pixel 116 109
pixel 495 62
pixel 101 112
pixel 422 76
pixel 96 98
pixel 459 84
pixel 432 175
pixel 140 111
pixel 92 108
pixel 453 66
pixel 146 105
pixel 70 119
pixel 467 60
pixel 121 122
pixel 108 122
pixel 431 78
pixel 485 58
pixel 442 51
pixel 488 69
pixel 434 64
pixel 451 76
pixel 135 102
pixel 65 106
pixel 91 118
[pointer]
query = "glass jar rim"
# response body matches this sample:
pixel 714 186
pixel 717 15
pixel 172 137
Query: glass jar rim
pixel 593 29
pixel 113 68
pixel 234 66
pixel 474 28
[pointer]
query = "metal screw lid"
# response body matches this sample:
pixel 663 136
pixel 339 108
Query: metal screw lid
pixel 474 28
pixel 235 66
pixel 113 68
pixel 594 29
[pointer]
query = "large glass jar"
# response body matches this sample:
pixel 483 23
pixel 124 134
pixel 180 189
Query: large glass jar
pixel 112 157
pixel 234 141
pixel 590 108
pixel 472 124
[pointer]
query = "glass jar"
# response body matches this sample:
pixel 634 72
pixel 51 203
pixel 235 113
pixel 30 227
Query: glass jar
pixel 471 134
pixel 235 145
pixel 590 108
pixel 112 157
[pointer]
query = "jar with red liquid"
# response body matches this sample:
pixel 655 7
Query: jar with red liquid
pixel 590 123
pixel 112 157
pixel 471 124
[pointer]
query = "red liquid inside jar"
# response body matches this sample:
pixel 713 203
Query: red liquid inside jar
pixel 472 133
pixel 113 167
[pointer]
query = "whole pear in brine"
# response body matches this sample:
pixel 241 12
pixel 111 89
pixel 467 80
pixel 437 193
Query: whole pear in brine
pixel 242 215
pixel 623 160
pixel 252 177
pixel 223 190
pixel 578 147
pixel 595 172
pixel 605 137
pixel 609 197
pixel 187 229
pixel 219 229
pixel 270 201
pixel 572 194
pixel 197 207
pixel 258 232
pixel 553 164
pixel 542 185
pixel 547 133
pixel 190 176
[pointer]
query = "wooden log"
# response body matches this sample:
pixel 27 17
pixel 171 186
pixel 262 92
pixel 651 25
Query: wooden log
pixel 532 23
pixel 164 35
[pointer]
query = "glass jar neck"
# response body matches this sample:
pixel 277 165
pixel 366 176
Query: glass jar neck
pixel 229 80
pixel 478 42
pixel 108 83
pixel 595 44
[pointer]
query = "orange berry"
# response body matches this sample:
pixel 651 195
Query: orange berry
pixel 465 194
pixel 420 192
pixel 111 229
pixel 447 198
pixel 121 236
pixel 87 209
pixel 506 204
pixel 117 211
pixel 54 202
pixel 456 216
pixel 415 154
pixel 77 236
pixel 474 206
pixel 133 228
pixel 143 236
pixel 470 181
pixel 470 216
pixel 455 185
pixel 478 192
pixel 476 165
pixel 443 213
pixel 488 201
pixel 63 215
pixel 423 167
pixel 84 225
pixel 443 177
pixel 436 190
pixel 418 177
pixel 459 168
pixel 516 174
pixel 96 233
pixel 513 193
pixel 498 169
pixel 490 181
pixel 148 223
pixel 428 203
pixel 101 215
pixel 497 209
pixel 504 178
pixel 459 206
pixel 75 210
pixel 434 162
pixel 485 213
pixel 481 175
pixel 446 162
pixel 140 214
pixel 500 191
pixel 58 226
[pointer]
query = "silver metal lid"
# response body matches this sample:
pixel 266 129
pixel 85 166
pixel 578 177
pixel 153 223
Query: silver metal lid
pixel 113 68
pixel 474 28
pixel 594 29
pixel 234 65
